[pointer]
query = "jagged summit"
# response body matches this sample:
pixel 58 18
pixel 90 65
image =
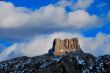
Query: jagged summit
pixel 61 47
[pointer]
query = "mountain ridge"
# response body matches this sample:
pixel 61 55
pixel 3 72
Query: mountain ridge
pixel 70 61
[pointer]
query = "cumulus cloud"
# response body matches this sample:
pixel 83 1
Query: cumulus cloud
pixel 98 45
pixel 41 44
pixel 20 23
pixel 11 16
pixel 50 16
pixel 81 18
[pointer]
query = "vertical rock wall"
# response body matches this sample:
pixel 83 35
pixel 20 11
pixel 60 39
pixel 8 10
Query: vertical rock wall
pixel 61 47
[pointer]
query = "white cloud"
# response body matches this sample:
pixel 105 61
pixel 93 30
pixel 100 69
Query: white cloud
pixel 82 19
pixel 11 16
pixel 98 45
pixel 79 4
pixel 83 3
pixel 50 16
pixel 6 52
pixel 20 23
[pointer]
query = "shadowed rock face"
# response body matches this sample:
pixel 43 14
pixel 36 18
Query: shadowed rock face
pixel 61 47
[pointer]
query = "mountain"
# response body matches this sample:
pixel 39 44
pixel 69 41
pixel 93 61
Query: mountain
pixel 66 56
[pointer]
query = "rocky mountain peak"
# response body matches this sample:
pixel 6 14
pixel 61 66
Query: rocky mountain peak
pixel 61 47
pixel 78 62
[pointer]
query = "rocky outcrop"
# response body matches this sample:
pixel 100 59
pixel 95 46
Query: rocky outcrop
pixel 61 47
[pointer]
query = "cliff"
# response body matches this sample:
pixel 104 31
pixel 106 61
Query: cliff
pixel 61 47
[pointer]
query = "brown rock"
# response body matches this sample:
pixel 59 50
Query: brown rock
pixel 61 47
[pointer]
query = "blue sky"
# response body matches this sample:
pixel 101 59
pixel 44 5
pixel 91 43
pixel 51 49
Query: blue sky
pixel 33 4
pixel 24 21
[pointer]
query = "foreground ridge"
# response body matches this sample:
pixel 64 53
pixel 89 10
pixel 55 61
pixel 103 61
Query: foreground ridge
pixel 70 63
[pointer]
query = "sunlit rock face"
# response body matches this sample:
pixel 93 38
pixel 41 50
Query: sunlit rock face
pixel 61 47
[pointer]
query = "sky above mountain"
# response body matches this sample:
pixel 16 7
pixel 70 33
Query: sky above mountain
pixel 28 27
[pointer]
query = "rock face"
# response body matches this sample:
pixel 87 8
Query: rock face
pixel 61 47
